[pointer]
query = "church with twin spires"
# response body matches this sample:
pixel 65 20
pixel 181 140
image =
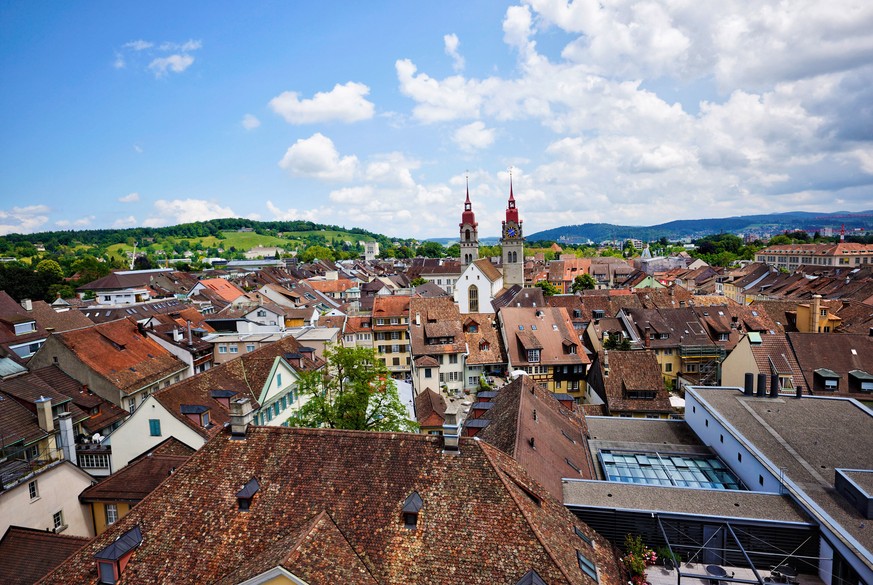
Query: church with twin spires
pixel 481 281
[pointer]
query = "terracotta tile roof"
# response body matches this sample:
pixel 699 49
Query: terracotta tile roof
pixel 18 424
pixel 775 356
pixel 631 372
pixel 484 345
pixel 118 352
pixel 430 408
pixel 134 481
pixel 439 318
pixel 547 328
pixel 522 411
pixel 487 268
pixel 27 554
pixel 359 324
pixel 331 286
pixel 223 288
pixel 121 279
pixel 12 313
pixel 30 387
pixel 391 306
pixel 483 519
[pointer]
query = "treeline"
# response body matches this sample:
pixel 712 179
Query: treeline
pixel 201 229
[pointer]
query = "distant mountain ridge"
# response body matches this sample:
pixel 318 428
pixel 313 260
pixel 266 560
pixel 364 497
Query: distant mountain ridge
pixel 771 223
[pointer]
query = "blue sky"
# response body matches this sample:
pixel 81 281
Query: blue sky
pixel 371 114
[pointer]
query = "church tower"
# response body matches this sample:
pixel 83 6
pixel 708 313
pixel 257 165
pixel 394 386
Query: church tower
pixel 512 242
pixel 469 233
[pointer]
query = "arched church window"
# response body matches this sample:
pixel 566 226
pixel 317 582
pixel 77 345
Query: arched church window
pixel 473 297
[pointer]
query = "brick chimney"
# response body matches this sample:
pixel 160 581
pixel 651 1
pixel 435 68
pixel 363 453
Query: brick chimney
pixel 814 311
pixel 44 414
pixel 241 416
pixel 27 304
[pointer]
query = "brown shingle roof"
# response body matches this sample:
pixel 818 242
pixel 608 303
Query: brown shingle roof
pixel 487 268
pixel 430 408
pixel 483 519
pixel 135 481
pixel 522 411
pixel 26 554
pixel 630 372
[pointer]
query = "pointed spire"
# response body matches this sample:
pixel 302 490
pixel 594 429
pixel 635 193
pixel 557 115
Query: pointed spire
pixel 511 196
pixel 467 204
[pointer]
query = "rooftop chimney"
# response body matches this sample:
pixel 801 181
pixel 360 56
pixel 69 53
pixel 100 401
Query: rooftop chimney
pixel 749 384
pixel 177 335
pixel 451 440
pixel 44 414
pixel 28 306
pixel 774 385
pixel 240 417
pixel 648 337
pixel 68 440
pixel 762 385
pixel 190 340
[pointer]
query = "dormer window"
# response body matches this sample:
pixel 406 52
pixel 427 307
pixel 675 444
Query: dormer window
pixel 197 414
pixel 245 496
pixel 483 346
pixel 112 560
pixel 533 355
pixel 26 327
pixel 411 508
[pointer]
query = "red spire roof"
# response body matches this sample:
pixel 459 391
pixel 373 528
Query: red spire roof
pixel 468 217
pixel 511 211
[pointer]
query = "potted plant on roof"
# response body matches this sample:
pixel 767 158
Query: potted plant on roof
pixel 637 558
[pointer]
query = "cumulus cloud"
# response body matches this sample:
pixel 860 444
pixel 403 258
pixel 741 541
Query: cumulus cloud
pixel 129 198
pixel 249 122
pixel 76 223
pixel 317 157
pixel 344 103
pixel 451 47
pixel 291 214
pixel 173 63
pixel 123 222
pixel 176 211
pixel 23 219
pixel 164 58
pixel 474 136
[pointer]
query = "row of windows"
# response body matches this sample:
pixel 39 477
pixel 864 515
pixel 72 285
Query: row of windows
pixel 391 321
pixel 93 460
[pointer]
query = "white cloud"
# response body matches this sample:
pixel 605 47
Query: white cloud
pixel 176 211
pixel 23 219
pixel 175 63
pixel 77 223
pixel 291 214
pixel 249 122
pixel 137 149
pixel 451 47
pixel 139 45
pixel 474 136
pixel 344 103
pixel 186 47
pixel 119 62
pixel 439 101
pixel 129 198
pixel 391 169
pixel 316 157
pixel 122 222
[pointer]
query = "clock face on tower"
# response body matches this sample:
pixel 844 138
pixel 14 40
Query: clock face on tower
pixel 510 231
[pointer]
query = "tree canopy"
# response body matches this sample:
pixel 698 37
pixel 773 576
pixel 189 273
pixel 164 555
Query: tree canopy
pixel 353 391
pixel 583 282
pixel 549 289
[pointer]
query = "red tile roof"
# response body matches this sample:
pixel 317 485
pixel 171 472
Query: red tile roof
pixel 430 408
pixel 118 352
pixel 135 481
pixel 483 519
pixel 223 288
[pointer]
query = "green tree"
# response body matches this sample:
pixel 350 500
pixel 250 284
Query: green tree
pixel 583 282
pixel 50 269
pixel 431 250
pixel 549 289
pixel 617 342
pixel 417 281
pixel 320 252
pixel 353 391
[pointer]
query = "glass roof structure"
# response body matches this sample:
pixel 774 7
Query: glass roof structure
pixel 668 469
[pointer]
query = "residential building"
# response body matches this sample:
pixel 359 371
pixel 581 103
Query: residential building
pixel 792 256
pixel 116 360
pixel 486 356
pixel 112 498
pixel 438 345
pixel 286 505
pixel 430 412
pixel 20 334
pixel 840 366
pixel 543 343
pixel 762 354
pixel 443 272
pixel 122 287
pixel 391 333
pixel 629 384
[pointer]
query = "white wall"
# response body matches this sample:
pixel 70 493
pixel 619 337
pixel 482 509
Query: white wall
pixel 59 489
pixel 133 437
